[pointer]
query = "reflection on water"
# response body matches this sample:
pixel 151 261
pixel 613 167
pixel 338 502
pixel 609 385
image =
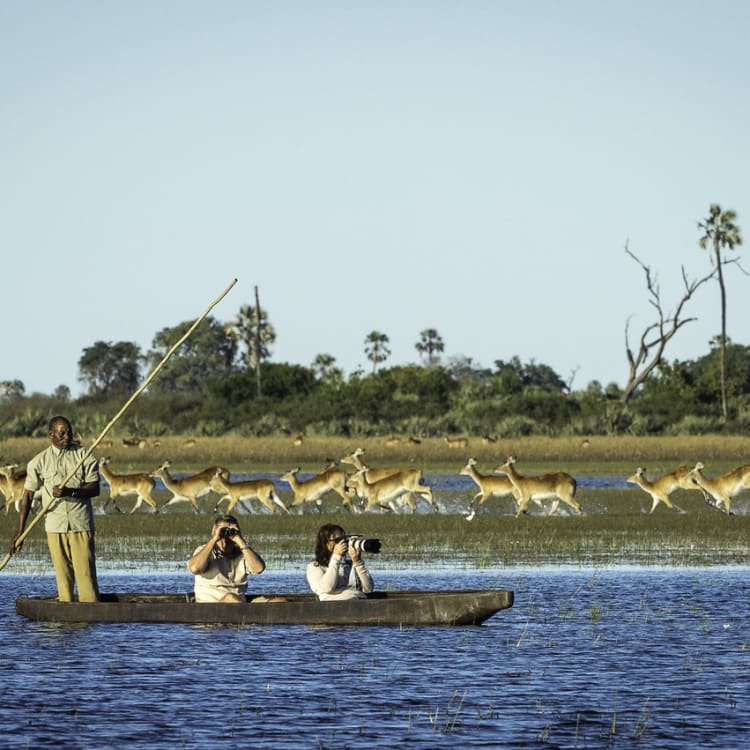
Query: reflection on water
pixel 647 658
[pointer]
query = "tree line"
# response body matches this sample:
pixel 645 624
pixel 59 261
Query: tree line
pixel 510 399
pixel 222 380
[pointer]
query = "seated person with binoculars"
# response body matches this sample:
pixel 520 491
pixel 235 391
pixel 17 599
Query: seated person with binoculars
pixel 222 565
pixel 338 571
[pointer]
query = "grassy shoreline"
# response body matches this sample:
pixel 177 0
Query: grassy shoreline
pixel 595 455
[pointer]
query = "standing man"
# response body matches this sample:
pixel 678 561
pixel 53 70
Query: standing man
pixel 69 521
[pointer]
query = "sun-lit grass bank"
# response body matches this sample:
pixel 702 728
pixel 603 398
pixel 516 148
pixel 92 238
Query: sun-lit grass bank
pixel 594 455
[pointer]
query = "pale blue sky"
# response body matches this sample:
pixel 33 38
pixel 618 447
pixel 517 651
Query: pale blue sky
pixel 474 167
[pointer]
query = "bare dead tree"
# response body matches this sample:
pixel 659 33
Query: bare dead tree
pixel 257 342
pixel 573 373
pixel 654 339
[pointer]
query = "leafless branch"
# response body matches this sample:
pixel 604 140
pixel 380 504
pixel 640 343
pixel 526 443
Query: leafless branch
pixel 569 384
pixel 734 262
pixel 654 338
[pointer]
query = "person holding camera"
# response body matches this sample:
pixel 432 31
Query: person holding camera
pixel 338 571
pixel 222 565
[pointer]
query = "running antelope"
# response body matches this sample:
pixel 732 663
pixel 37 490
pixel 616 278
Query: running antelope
pixel 11 484
pixel 237 492
pixel 391 491
pixel 725 486
pixel 662 487
pixel 141 485
pixel 410 478
pixel 312 490
pixel 188 489
pixel 385 493
pixel 560 486
pixel 490 485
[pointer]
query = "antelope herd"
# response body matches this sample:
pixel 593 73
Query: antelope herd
pixel 365 488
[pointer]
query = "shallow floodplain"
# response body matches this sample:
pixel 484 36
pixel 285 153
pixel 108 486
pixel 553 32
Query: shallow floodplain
pixel 629 630
pixel 624 657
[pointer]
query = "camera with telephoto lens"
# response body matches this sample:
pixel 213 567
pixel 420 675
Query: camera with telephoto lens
pixel 358 542
pixel 229 531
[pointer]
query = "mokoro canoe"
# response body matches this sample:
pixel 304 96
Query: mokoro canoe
pixel 467 607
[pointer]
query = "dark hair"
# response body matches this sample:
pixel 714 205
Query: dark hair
pixel 57 419
pixel 322 553
pixel 226 519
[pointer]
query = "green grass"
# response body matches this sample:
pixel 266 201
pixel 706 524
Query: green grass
pixel 614 530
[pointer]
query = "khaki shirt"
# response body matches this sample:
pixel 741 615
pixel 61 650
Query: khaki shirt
pixel 223 575
pixel 51 467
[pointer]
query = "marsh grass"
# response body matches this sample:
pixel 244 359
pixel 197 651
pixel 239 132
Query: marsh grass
pixel 614 530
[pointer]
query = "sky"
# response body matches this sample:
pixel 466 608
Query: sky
pixel 473 167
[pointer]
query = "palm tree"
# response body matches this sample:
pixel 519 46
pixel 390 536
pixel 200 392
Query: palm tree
pixel 376 348
pixel 12 390
pixel 250 332
pixel 430 345
pixel 325 370
pixel 721 231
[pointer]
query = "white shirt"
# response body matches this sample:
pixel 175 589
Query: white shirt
pixel 340 580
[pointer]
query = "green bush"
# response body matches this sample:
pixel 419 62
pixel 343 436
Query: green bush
pixel 695 425
pixel 518 426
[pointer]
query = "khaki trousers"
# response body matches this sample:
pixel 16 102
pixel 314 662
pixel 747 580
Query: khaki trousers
pixel 74 560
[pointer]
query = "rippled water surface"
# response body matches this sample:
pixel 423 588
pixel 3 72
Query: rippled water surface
pixel 621 657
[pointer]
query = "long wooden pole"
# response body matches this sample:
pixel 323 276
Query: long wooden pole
pixel 117 416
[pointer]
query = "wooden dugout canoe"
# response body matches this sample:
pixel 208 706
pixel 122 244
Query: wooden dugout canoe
pixel 402 608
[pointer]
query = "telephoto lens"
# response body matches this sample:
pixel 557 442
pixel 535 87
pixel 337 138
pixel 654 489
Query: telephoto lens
pixel 358 542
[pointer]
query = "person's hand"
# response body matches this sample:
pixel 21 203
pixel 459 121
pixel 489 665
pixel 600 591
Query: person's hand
pixel 215 534
pixel 15 545
pixel 355 554
pixel 341 548
pixel 58 491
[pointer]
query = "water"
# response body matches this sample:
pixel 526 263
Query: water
pixel 616 658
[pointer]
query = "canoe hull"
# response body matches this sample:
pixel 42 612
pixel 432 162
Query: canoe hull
pixel 468 607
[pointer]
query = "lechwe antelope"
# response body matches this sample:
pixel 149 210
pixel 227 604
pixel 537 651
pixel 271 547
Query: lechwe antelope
pixel 390 492
pixel 188 489
pixel 11 484
pixel 141 485
pixel 410 478
pixel 724 487
pixel 456 442
pixel 560 486
pixel 384 493
pixel 237 492
pixel 662 487
pixel 312 490
pixel 490 485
